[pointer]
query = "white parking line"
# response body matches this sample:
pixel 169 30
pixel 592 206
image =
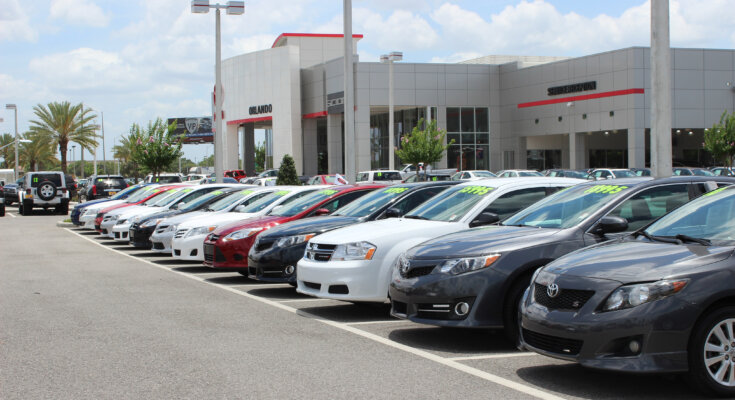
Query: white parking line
pixel 532 391
pixel 302 300
pixel 490 356
pixel 386 321
pixel 11 214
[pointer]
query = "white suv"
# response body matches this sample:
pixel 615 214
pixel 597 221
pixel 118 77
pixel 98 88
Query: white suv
pixel 43 189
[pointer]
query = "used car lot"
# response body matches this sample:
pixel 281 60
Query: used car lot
pixel 158 328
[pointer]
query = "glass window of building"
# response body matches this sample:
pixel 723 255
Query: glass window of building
pixel 469 127
pixel 404 121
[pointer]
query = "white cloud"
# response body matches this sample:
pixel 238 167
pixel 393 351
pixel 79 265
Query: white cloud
pixel 401 30
pixel 84 69
pixel 79 12
pixel 455 58
pixel 14 23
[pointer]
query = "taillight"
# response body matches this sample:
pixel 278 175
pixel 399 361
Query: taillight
pixel 28 190
pixel 63 190
pixel 94 190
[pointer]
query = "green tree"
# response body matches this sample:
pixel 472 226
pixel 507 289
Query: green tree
pixel 36 155
pixel 157 148
pixel 8 153
pixel 124 152
pixel 260 157
pixel 720 139
pixel 287 172
pixel 423 145
pixel 61 123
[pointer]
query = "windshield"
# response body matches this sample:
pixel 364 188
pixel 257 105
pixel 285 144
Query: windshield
pixel 386 176
pixel 485 174
pixel 367 204
pixel 702 172
pixel 303 203
pixel 142 194
pixel 624 174
pixel 163 199
pixel 568 207
pixel 123 193
pixel 226 202
pixel 452 204
pixel 202 200
pixel 709 217
pixel 529 173
pixel 330 179
pixel 264 202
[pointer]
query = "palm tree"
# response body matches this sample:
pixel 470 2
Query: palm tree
pixel 37 154
pixel 61 123
pixel 124 153
pixel 8 153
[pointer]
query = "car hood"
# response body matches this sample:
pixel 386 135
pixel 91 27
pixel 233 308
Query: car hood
pixel 141 212
pixel 310 225
pixel 478 241
pixel 129 211
pixel 388 231
pixel 266 221
pixel 105 204
pixel 177 219
pixel 93 202
pixel 161 214
pixel 216 219
pixel 629 261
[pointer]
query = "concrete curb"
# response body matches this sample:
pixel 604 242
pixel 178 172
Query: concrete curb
pixel 62 224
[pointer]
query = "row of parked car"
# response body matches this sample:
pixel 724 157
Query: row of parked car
pixel 631 274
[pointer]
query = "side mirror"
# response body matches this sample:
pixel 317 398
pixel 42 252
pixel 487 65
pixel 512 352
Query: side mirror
pixel 321 211
pixel 485 218
pixel 611 224
pixel 180 205
pixel 392 213
pixel 239 208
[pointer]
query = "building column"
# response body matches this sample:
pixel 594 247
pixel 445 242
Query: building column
pixel 362 138
pixel 231 147
pixel 441 124
pixel 311 154
pixel 334 143
pixel 248 148
pixel 576 150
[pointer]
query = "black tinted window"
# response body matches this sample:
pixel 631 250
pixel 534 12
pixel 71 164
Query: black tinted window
pixel 512 202
pixel 37 179
pixel 650 204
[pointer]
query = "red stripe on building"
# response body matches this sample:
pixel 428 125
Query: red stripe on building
pixel 314 115
pixel 249 120
pixel 325 35
pixel 581 97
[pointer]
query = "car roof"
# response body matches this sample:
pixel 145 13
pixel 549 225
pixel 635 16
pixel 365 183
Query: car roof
pixel 503 182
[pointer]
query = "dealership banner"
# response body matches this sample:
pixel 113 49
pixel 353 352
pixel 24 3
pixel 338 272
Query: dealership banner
pixel 194 129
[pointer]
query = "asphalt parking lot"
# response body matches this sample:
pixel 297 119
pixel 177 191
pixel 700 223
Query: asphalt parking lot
pixel 85 317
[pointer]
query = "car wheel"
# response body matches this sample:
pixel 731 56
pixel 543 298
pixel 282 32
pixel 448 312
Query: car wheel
pixel 512 306
pixel 712 353
pixel 46 190
pixel 2 210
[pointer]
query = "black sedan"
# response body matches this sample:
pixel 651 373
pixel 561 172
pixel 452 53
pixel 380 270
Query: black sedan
pixel 661 300
pixel 475 278
pixel 276 251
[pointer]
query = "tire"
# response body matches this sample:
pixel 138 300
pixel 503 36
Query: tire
pixel 46 190
pixel 2 210
pixel 27 207
pixel 511 308
pixel 701 376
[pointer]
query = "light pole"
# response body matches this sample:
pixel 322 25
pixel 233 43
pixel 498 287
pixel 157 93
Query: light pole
pixel 15 167
pixel 389 59
pixel 73 149
pixel 232 8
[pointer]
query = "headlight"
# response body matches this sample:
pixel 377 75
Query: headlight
pixel 171 228
pixel 461 265
pixel 242 234
pixel 120 221
pixel 200 230
pixel 114 217
pixel 293 240
pixel 353 251
pixel 634 295
pixel 151 222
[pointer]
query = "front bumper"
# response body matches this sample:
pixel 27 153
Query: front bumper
pixel 189 248
pixel 161 241
pixel 106 228
pixel 269 263
pixel 230 255
pixel 360 280
pixel 473 300
pixel 602 340
pixel 141 237
pixel 120 232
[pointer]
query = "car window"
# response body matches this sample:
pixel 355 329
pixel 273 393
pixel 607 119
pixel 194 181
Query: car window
pixel 361 177
pixel 37 179
pixel 624 174
pixel 386 176
pixel 260 201
pixel 650 204
pixel 416 198
pixel 702 172
pixel 530 173
pixel 370 202
pixel 341 201
pixel 453 204
pixel 466 175
pixel 484 174
pixel 295 207
pixel 512 202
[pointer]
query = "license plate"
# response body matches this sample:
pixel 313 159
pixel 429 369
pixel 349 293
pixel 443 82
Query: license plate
pixel 28 196
pixel 112 193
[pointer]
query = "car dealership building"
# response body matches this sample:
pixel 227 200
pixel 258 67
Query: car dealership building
pixel 501 111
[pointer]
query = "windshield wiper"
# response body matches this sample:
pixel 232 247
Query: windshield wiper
pixel 686 238
pixel 658 238
pixel 415 217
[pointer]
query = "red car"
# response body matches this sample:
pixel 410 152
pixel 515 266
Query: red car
pixel 237 174
pixel 135 200
pixel 228 246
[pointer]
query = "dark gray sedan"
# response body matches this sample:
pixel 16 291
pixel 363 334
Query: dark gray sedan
pixel 475 278
pixel 662 300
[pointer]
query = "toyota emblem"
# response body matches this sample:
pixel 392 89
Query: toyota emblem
pixel 552 290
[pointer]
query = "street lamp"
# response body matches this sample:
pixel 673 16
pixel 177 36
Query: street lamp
pixel 15 167
pixel 389 58
pixel 19 141
pixel 232 8
pixel 73 148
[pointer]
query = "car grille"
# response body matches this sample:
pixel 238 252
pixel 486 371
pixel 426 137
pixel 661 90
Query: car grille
pixel 180 233
pixel 552 344
pixel 208 252
pixel 417 271
pixel 214 237
pixel 567 299
pixel 319 252
pixel 158 246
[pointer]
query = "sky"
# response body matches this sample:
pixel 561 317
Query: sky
pixel 134 61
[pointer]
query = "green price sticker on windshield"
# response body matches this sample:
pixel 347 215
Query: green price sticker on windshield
pixel 246 191
pixel 715 191
pixel 35 179
pixel 395 190
pixel 478 190
pixel 186 190
pixel 216 192
pixel 380 174
pixel 328 192
pixel 606 189
pixel 281 193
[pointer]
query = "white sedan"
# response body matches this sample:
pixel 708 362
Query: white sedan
pixel 354 263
